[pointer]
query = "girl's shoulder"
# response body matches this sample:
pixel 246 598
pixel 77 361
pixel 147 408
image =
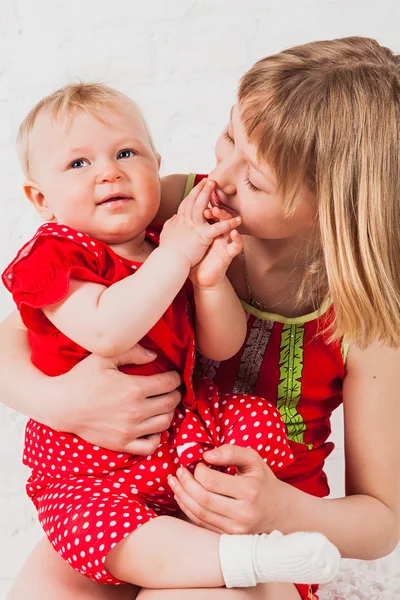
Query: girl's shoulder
pixel 191 181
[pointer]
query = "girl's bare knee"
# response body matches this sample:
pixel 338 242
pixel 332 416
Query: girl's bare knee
pixel 46 575
pixel 268 591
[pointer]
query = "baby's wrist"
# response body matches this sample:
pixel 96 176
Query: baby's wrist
pixel 177 255
pixel 216 287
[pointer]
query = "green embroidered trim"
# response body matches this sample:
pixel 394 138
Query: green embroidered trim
pixel 344 347
pixel 265 316
pixel 189 184
pixel 289 388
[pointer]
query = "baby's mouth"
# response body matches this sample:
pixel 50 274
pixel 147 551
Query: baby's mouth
pixel 114 198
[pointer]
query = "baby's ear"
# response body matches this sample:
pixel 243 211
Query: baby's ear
pixel 158 157
pixel 35 196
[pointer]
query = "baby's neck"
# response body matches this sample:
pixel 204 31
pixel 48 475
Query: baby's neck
pixel 136 249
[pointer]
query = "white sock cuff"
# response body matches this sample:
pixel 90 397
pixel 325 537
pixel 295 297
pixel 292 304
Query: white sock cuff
pixel 236 560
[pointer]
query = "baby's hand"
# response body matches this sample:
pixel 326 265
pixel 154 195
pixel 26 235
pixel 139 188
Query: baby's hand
pixel 211 270
pixel 189 231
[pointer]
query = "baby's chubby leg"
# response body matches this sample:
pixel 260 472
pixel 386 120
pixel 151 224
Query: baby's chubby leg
pixel 169 553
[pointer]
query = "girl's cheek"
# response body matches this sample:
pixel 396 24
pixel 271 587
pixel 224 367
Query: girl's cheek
pixel 222 149
pixel 218 155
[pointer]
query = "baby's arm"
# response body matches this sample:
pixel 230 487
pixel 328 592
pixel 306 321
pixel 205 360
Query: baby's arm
pixel 220 319
pixel 108 321
pixel 219 315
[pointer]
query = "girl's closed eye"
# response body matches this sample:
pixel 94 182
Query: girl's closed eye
pixel 78 163
pixel 126 154
pixel 228 137
pixel 252 186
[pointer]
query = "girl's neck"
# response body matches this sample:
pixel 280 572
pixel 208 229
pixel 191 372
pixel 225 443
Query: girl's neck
pixel 277 256
pixel 275 272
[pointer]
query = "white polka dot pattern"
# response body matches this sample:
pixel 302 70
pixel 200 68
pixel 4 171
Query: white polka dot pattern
pixel 89 498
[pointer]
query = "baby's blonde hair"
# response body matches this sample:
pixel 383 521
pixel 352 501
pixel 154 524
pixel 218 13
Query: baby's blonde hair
pixel 94 99
pixel 326 116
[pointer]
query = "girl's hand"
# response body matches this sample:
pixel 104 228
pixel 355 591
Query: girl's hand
pixel 254 501
pixel 189 231
pixel 114 410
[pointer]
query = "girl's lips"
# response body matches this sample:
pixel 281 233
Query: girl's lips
pixel 216 202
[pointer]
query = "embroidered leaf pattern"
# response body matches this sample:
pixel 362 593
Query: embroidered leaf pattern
pixel 289 387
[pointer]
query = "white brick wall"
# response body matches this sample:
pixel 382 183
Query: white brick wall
pixel 180 59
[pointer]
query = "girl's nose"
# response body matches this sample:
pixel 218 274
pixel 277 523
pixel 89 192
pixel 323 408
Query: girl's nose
pixel 224 176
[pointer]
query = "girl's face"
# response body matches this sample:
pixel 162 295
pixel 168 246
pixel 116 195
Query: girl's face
pixel 247 187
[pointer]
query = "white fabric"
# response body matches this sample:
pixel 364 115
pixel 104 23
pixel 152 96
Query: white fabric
pixel 236 560
pixel 297 557
pixel 366 580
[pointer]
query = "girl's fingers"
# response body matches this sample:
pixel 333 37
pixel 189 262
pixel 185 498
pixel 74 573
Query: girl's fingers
pixel 144 445
pixel 203 497
pixel 246 460
pixel 194 519
pixel 221 484
pixel 203 506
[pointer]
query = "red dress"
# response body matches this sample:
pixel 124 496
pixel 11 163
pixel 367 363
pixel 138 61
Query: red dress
pixel 89 498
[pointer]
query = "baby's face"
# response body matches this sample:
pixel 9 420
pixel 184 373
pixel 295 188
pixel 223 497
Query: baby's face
pixel 101 179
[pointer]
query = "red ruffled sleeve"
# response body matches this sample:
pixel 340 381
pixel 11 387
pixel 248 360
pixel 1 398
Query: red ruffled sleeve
pixel 40 273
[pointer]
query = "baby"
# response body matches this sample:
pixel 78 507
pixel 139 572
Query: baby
pixel 99 277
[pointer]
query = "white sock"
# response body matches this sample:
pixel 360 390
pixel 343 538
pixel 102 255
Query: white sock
pixel 294 558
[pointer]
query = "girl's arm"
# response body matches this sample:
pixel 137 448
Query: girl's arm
pixel 94 399
pixel 17 374
pixel 364 524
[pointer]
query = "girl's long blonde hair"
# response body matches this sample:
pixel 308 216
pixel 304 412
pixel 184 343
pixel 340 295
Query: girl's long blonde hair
pixel 326 115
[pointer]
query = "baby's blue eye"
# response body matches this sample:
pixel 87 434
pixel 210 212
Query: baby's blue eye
pixel 78 163
pixel 126 154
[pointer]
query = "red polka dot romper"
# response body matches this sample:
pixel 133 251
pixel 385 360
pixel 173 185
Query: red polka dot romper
pixel 89 498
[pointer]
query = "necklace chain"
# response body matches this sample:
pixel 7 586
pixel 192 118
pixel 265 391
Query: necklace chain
pixel 253 301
